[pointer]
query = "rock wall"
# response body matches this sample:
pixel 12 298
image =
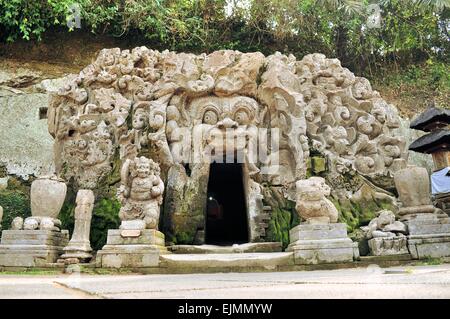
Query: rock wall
pixel 26 147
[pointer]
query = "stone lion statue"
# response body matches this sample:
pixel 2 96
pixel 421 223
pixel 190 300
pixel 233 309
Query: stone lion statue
pixel 141 191
pixel 311 203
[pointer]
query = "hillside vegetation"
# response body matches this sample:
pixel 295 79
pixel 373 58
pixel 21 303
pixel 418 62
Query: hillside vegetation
pixel 400 45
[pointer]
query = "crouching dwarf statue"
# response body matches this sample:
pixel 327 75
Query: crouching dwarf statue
pixel 141 192
pixel 312 205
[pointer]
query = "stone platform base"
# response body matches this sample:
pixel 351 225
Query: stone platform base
pixel 429 236
pixel 385 246
pixel 429 247
pixel 136 249
pixel 322 243
pixel 263 247
pixel 31 248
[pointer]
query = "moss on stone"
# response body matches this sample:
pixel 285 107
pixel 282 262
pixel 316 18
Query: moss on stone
pixel 184 237
pixel 319 164
pixel 283 217
pixel 357 214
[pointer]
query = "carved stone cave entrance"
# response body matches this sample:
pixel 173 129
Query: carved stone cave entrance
pixel 226 208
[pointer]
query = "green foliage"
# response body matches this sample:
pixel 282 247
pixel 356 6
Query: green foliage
pixel 105 216
pixel 410 30
pixel 67 214
pixel 15 203
pixel 29 19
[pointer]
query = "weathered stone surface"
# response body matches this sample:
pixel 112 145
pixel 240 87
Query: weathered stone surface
pixel 187 110
pixel 414 158
pixel 384 225
pixel 317 232
pixel 265 260
pixel 131 256
pixel 147 236
pixel 388 246
pixel 213 249
pixel 428 227
pixel 17 223
pixel 31 248
pixel 316 244
pixel 1 217
pixel 141 193
pixel 31 223
pixel 429 246
pixel 38 222
pixel 4 182
pixel 428 224
pixel 132 252
pixel 26 145
pixel 413 186
pixel 311 203
pixel 135 224
pixel 79 246
pixel 47 196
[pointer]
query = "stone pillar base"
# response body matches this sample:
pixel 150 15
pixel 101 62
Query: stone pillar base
pixel 132 249
pixel 31 248
pixel 322 243
pixel 386 246
pixel 429 236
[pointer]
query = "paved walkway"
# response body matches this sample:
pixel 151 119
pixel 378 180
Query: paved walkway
pixel 371 282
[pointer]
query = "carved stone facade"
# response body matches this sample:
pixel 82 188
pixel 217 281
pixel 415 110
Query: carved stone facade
pixel 184 111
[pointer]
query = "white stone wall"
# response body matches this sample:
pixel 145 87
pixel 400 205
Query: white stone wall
pixel 26 147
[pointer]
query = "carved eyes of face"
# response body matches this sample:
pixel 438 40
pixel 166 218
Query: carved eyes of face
pixel 210 117
pixel 241 117
pixel 139 121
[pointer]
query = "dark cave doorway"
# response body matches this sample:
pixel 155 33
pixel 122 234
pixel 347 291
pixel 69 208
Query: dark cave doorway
pixel 226 209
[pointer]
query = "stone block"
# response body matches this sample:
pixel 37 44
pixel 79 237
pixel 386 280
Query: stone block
pixel 318 231
pixel 129 256
pixel 31 248
pixel 323 255
pixel 132 252
pixel 429 247
pixel 322 243
pixel 384 246
pixel 429 236
pixel 148 236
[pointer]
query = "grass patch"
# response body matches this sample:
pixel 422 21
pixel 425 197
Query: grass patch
pixel 429 261
pixel 33 272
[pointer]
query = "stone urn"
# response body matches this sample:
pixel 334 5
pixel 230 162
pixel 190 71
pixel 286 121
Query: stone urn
pixel 47 196
pixel 413 187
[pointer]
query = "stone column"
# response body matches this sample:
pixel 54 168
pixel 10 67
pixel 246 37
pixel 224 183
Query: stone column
pixel 79 248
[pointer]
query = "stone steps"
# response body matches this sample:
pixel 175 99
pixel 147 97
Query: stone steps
pixel 264 247
pixel 235 260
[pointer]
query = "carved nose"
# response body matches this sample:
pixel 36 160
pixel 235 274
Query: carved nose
pixel 227 123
